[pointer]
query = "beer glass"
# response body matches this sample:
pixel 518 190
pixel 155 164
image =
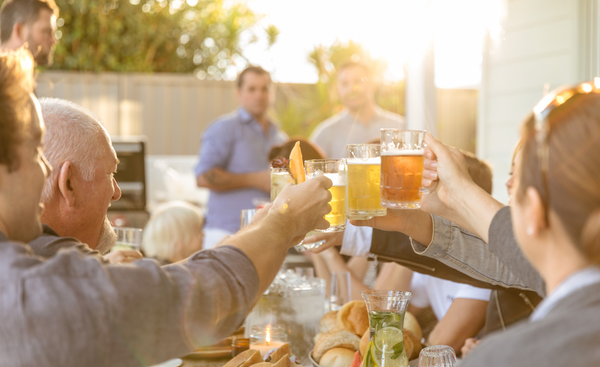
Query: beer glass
pixel 335 170
pixel 401 168
pixel 363 194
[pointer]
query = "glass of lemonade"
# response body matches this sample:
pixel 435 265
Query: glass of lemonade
pixel 363 194
pixel 401 168
pixel 127 238
pixel 335 170
pixel 386 322
pixel 279 178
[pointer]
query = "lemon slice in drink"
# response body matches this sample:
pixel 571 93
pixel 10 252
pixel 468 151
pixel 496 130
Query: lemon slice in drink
pixel 386 338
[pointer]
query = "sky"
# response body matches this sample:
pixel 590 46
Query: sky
pixel 391 29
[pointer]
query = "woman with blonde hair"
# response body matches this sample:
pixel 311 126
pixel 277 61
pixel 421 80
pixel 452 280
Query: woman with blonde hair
pixel 174 232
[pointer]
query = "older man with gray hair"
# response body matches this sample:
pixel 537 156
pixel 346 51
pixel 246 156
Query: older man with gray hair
pixel 79 190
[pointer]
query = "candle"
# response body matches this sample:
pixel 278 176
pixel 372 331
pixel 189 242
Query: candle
pixel 265 338
pixel 265 347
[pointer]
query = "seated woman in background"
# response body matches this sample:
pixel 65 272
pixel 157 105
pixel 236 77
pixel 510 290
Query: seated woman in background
pixel 174 232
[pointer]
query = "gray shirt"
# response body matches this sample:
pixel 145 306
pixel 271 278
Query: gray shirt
pixel 72 310
pixel 333 134
pixel 568 335
pixel 500 262
pixel 235 143
pixel 49 243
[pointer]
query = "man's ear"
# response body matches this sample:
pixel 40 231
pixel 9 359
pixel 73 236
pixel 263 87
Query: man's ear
pixel 65 183
pixel 18 32
pixel 536 212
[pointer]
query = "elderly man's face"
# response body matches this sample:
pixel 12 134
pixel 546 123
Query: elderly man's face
pixel 21 189
pixel 99 193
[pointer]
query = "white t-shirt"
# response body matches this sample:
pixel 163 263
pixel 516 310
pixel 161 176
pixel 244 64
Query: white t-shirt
pixel 333 134
pixel 440 293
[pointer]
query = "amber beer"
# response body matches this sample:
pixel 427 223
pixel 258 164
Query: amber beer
pixel 401 168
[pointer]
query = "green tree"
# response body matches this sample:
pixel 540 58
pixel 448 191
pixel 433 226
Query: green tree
pixel 199 36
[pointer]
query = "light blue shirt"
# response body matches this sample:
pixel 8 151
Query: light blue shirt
pixel 236 143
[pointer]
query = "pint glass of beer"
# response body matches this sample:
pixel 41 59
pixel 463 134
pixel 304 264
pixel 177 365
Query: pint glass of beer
pixel 363 193
pixel 335 170
pixel 401 168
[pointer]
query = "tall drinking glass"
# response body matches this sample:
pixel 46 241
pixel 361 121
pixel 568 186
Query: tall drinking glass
pixel 386 321
pixel 335 170
pixel 280 177
pixel 401 168
pixel 363 193
pixel 127 238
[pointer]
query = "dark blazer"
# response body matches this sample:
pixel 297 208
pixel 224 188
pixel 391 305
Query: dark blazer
pixel 507 305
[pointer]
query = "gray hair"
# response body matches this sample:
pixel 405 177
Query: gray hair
pixel 72 134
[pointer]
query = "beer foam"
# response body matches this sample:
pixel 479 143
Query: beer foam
pixel 397 152
pixel 375 160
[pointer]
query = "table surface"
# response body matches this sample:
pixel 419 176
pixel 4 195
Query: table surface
pixel 189 362
pixel 202 362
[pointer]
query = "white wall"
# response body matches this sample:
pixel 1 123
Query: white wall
pixel 552 42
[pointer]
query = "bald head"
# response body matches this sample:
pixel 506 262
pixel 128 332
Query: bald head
pixel 73 135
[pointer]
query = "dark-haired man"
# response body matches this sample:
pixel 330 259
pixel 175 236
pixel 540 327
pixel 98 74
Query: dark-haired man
pixel 31 22
pixel 361 120
pixel 72 310
pixel 234 161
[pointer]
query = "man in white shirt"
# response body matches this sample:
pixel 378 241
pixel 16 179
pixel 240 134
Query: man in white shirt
pixel 459 308
pixel 361 120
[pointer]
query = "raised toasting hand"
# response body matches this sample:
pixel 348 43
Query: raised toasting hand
pixel 297 210
pixel 452 192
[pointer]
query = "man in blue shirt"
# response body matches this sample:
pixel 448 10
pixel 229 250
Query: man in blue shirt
pixel 234 161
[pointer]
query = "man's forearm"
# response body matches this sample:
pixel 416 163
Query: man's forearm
pixel 251 241
pixel 477 209
pixel 220 180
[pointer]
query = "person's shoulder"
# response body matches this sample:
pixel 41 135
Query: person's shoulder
pixel 224 122
pixel 328 124
pixel 390 116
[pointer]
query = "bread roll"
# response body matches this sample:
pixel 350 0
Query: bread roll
pixel 354 317
pixel 335 339
pixel 364 341
pixel 328 322
pixel 411 323
pixel 410 337
pixel 337 357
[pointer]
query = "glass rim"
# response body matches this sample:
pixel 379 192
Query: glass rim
pixel 385 294
pixel 364 145
pixel 408 130
pixel 437 349
pixel 331 160
pixel 133 229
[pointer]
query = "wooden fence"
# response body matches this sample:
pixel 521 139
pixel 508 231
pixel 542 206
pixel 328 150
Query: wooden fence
pixel 173 110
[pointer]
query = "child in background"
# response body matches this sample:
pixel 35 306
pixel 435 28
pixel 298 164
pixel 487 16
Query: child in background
pixel 174 232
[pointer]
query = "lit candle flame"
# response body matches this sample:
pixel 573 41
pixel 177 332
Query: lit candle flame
pixel 268 337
